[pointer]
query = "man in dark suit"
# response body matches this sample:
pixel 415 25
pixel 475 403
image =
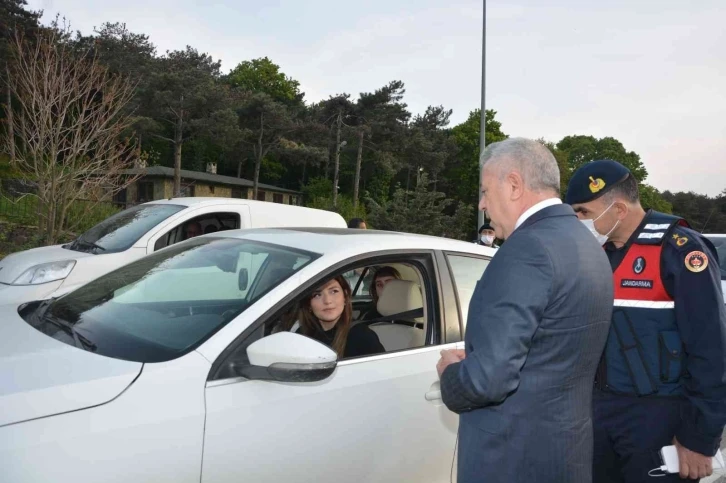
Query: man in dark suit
pixel 538 321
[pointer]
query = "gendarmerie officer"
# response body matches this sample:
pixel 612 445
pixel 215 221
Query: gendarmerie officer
pixel 486 236
pixel 662 377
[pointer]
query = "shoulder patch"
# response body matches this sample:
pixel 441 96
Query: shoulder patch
pixel 679 239
pixel 696 261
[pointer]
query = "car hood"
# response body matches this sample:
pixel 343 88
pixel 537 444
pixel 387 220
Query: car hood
pixel 40 376
pixel 12 266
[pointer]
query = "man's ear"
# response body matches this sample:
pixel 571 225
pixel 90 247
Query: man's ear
pixel 621 209
pixel 515 183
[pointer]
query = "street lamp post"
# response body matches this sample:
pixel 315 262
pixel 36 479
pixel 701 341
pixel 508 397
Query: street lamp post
pixel 482 129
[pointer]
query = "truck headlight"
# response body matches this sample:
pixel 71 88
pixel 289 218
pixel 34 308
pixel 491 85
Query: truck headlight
pixel 45 272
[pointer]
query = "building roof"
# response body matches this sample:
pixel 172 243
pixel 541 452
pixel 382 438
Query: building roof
pixel 165 172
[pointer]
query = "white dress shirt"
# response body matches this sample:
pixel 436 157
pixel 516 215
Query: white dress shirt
pixel 534 209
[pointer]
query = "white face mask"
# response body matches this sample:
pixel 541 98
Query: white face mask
pixel 488 239
pixel 590 224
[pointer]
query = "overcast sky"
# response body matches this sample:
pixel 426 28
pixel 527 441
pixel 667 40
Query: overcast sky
pixel 651 73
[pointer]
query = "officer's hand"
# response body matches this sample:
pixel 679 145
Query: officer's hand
pixel 692 465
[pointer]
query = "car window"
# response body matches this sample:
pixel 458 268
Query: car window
pixel 720 244
pixel 466 271
pixel 165 304
pixel 409 322
pixel 360 290
pixel 120 231
pixel 201 225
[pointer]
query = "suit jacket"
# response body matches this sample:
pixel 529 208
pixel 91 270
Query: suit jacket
pixel 538 322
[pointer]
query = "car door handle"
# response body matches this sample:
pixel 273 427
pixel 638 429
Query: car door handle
pixel 434 395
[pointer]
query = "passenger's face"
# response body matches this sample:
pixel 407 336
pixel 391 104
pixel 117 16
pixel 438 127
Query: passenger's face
pixel 328 302
pixel 362 225
pixel 193 230
pixel 381 282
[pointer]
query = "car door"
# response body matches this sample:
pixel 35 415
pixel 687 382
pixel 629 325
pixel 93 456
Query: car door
pixel 377 419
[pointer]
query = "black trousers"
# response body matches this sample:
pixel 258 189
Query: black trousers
pixel 629 433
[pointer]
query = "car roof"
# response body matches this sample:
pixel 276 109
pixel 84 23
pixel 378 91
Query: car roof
pixel 263 206
pixel 349 240
pixel 200 200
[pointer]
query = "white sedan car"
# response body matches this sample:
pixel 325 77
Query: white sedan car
pixel 170 369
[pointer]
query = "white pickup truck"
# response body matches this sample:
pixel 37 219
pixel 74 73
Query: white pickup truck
pixel 51 271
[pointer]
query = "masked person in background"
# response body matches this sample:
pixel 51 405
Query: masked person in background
pixel 486 236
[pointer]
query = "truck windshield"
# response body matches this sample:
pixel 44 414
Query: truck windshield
pixel 122 230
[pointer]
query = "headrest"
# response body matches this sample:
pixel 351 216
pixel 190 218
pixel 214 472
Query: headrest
pixel 399 296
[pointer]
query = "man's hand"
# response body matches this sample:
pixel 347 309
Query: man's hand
pixel 692 465
pixel 448 357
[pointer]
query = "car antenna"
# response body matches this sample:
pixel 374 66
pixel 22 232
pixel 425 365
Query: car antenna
pixel 708 219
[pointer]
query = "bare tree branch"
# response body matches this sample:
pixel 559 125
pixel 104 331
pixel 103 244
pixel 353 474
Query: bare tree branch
pixel 67 124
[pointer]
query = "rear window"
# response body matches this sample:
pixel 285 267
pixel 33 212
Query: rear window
pixel 122 230
pixel 166 304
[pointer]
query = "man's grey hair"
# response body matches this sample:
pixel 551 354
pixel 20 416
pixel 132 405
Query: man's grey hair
pixel 531 159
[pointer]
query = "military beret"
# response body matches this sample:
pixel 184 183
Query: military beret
pixel 485 226
pixel 594 179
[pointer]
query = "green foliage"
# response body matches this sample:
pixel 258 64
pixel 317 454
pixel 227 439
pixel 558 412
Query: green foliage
pixel 462 175
pixel 651 198
pixel 317 195
pixel 264 76
pixel 183 90
pixel 81 215
pixel 254 117
pixel 317 188
pixel 574 151
pixel 7 170
pixel 583 149
pixel 423 211
pixel 702 212
pixel 562 164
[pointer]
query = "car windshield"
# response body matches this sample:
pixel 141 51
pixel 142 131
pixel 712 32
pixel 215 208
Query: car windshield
pixel 122 230
pixel 166 304
pixel 720 244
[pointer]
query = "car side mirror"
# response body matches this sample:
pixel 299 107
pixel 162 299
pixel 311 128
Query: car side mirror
pixel 243 279
pixel 288 357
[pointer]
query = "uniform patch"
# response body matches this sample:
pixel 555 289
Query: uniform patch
pixel 651 235
pixel 696 261
pixel 627 283
pixel 680 240
pixel 596 184
pixel 653 226
pixel 639 265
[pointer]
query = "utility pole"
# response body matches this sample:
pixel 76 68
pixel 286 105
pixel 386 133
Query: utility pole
pixel 482 129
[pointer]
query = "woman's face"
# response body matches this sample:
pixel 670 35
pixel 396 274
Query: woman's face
pixel 328 302
pixel 381 282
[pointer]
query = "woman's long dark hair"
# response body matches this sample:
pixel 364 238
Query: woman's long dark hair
pixel 309 324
